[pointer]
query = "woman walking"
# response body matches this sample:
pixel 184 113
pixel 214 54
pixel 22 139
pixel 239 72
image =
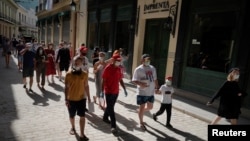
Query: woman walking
pixel 230 99
pixel 50 66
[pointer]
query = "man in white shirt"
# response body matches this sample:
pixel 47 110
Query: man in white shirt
pixel 146 80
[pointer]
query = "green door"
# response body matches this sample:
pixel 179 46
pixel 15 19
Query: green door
pixel 156 44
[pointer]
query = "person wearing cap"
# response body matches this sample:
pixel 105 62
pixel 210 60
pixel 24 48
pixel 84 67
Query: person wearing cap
pixel 230 98
pixel 145 78
pixel 83 53
pixel 111 77
pixel 166 90
pixel 76 86
pixel 63 58
pixel 28 65
pixel 98 71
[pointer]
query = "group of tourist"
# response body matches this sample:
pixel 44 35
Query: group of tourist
pixel 108 76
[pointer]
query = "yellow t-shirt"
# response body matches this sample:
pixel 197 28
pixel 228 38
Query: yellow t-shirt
pixel 76 85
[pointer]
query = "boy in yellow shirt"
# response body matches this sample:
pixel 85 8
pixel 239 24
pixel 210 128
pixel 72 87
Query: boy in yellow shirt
pixel 76 83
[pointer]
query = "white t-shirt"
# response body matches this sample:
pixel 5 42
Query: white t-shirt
pixel 166 92
pixel 145 74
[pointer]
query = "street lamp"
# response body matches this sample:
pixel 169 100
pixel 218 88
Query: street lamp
pixel 73 6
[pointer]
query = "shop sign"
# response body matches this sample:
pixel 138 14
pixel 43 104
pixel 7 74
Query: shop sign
pixel 155 7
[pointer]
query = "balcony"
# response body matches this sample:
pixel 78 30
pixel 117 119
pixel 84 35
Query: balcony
pixel 8 19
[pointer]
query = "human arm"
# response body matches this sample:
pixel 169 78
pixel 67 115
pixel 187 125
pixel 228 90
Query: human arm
pixel 123 86
pixel 87 89
pixel 66 89
pixel 217 94
pixel 23 51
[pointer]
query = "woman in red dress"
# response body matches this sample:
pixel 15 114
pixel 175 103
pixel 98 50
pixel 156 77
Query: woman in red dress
pixel 51 70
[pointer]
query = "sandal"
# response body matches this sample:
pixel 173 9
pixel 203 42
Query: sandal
pixel 84 138
pixel 143 127
pixel 72 131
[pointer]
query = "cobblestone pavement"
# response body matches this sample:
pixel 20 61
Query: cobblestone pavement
pixel 42 116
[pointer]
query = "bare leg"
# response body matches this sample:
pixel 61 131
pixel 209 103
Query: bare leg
pixel 216 120
pixel 24 81
pixel 31 82
pixel 148 107
pixel 72 122
pixel 141 112
pixel 82 126
pixel 233 121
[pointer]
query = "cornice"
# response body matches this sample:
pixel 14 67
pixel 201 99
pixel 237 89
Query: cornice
pixel 57 8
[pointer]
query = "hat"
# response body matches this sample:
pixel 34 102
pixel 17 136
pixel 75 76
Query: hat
pixel 83 49
pixel 117 57
pixel 145 56
pixel 169 78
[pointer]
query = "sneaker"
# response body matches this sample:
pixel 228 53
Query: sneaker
pixel 169 125
pixel 84 138
pixel 106 121
pixel 113 130
pixel 154 117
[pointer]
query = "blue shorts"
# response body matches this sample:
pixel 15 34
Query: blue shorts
pixel 144 99
pixel 20 58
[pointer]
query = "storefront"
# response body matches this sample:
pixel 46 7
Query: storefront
pixel 156 34
pixel 111 26
pixel 213 37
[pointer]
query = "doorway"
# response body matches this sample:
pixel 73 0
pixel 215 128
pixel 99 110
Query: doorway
pixel 156 45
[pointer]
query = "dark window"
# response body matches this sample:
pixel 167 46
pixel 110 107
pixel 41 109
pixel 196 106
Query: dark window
pixel 104 36
pixel 212 41
pixel 92 35
pixel 122 35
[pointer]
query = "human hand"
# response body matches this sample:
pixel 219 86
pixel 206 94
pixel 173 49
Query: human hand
pixel 125 93
pixel 157 91
pixel 99 67
pixel 143 84
pixel 67 103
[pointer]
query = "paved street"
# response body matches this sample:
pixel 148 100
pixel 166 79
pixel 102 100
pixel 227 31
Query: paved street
pixel 42 115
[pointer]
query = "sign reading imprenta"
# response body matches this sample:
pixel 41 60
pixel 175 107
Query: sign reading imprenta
pixel 156 6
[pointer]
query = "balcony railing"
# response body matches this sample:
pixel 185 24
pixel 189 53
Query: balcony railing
pixel 6 18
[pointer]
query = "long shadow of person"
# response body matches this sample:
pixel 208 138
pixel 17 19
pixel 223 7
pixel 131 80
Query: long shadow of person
pixel 97 123
pixel 125 136
pixel 162 136
pixel 38 99
pixel 50 95
pixel 57 87
pixel 129 123
pixel 131 107
pixel 187 135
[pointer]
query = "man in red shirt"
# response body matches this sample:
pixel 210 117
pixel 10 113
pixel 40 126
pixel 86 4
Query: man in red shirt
pixel 112 76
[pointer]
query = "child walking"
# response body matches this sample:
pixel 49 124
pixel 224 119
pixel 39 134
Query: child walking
pixel 166 90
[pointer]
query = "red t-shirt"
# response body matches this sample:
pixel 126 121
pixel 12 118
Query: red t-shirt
pixel 112 76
